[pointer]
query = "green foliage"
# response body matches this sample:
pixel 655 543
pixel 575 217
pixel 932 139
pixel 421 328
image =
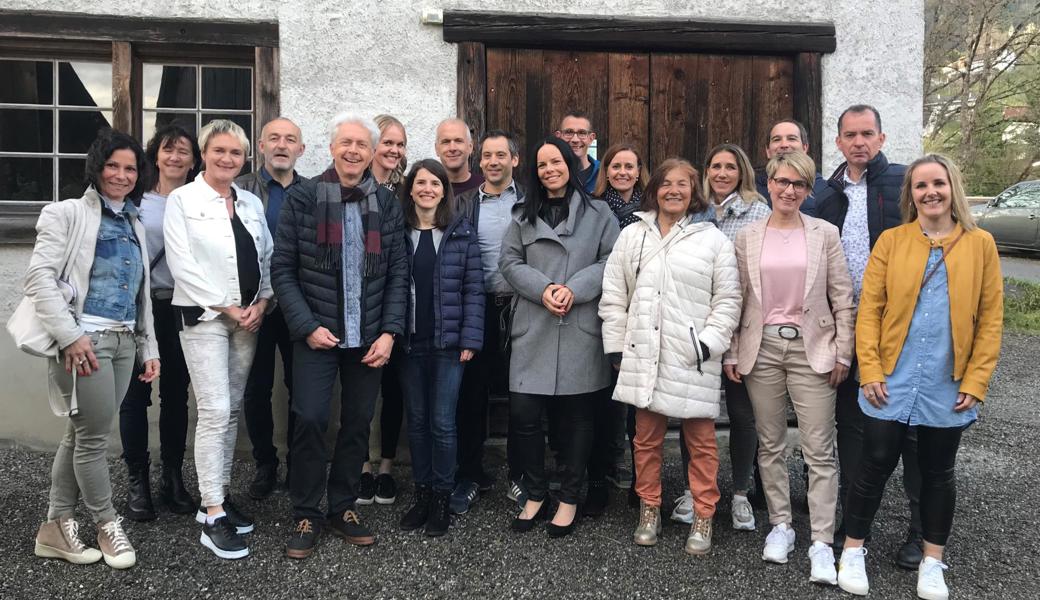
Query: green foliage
pixel 1021 305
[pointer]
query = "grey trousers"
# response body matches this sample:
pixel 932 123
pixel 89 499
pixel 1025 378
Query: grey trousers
pixel 219 354
pixel 81 463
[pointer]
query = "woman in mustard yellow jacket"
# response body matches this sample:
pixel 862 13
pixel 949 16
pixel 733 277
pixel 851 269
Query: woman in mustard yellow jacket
pixel 927 338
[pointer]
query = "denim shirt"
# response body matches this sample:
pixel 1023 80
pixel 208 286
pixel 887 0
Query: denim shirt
pixel 117 274
pixel 921 388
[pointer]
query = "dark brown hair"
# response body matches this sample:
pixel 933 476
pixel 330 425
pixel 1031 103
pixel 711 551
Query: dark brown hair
pixel 697 201
pixel 443 216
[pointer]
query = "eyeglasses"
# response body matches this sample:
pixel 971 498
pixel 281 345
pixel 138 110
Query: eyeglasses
pixel 570 133
pixel 799 186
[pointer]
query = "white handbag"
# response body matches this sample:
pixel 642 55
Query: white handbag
pixel 30 336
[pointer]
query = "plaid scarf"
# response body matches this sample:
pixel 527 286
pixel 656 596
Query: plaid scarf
pixel 624 211
pixel 330 198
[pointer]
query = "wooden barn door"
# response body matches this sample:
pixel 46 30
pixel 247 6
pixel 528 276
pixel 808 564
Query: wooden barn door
pixel 665 104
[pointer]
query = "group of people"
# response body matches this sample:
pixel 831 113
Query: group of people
pixel 607 299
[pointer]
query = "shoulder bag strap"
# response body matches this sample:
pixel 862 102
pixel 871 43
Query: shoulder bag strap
pixel 946 252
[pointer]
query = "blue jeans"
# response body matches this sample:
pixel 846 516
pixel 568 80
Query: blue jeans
pixel 430 381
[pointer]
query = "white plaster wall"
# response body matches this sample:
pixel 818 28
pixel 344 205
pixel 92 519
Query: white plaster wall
pixel 372 56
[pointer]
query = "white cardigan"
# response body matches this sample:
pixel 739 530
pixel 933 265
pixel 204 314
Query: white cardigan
pixel 661 299
pixel 200 246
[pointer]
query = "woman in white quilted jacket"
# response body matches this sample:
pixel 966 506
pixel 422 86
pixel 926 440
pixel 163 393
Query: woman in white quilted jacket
pixel 671 299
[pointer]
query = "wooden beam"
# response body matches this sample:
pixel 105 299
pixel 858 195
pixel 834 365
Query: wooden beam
pixel 265 87
pixel 471 93
pixel 808 101
pixel 65 26
pixel 122 104
pixel 618 34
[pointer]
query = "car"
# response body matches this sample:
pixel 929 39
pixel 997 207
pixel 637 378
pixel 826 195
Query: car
pixel 1013 217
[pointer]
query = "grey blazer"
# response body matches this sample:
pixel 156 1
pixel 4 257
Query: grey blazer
pixel 549 357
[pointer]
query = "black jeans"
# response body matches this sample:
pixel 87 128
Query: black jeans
pixel 256 401
pixel 608 432
pixel 743 438
pixel 487 372
pixel 391 413
pixel 850 419
pixel 314 375
pixel 173 398
pixel 574 417
pixel 937 454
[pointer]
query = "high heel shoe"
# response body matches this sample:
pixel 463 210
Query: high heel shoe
pixel 524 525
pixel 559 531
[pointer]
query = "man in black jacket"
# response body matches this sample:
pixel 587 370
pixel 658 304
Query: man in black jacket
pixel 489 209
pixel 340 272
pixel 862 200
pixel 281 144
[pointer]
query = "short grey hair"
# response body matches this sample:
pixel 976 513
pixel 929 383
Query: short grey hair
pixel 219 126
pixel 455 121
pixel 348 117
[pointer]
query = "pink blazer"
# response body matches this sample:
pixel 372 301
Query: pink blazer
pixel 828 321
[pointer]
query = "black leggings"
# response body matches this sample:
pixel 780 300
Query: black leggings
pixel 573 417
pixel 936 457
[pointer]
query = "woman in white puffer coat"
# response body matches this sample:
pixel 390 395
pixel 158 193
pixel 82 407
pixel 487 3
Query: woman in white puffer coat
pixel 671 299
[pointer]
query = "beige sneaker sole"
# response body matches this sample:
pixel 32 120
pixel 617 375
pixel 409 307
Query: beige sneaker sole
pixel 87 557
pixel 121 561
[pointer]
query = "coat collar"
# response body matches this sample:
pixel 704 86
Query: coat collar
pixel 541 230
pixel 875 167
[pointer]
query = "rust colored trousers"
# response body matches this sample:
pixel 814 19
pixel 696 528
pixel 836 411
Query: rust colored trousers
pixel 702 472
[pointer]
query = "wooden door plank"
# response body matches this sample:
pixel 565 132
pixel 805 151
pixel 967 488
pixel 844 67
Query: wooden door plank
pixel 576 82
pixel 472 86
pixel 511 75
pixel 629 102
pixel 122 106
pixel 807 99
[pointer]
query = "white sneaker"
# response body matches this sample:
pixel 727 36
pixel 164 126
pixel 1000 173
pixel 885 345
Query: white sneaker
pixel 852 571
pixel 683 511
pixel 930 582
pixel 822 558
pixel 779 543
pixel 743 515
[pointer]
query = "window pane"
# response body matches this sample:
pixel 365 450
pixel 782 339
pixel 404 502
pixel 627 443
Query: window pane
pixel 244 121
pixel 168 87
pixel 153 121
pixel 27 82
pixel 227 88
pixel 85 84
pixel 77 129
pixel 26 130
pixel 26 178
pixel 71 180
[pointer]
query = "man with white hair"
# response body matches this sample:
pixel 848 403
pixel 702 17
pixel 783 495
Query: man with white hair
pixel 340 272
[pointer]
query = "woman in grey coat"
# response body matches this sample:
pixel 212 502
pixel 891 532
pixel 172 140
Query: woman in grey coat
pixel 553 255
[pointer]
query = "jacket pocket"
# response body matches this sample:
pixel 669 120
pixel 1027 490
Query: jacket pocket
pixel 696 340
pixel 826 322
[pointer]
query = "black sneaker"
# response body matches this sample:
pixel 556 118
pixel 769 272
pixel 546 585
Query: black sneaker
pixel 303 539
pixel 462 499
pixel 263 481
pixel 597 499
pixel 439 519
pixel 485 481
pixel 347 525
pixel 243 523
pixel 366 489
pixel 223 540
pixel 417 514
pixel 386 489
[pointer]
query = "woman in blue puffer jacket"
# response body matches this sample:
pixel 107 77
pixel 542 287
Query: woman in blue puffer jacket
pixel 446 328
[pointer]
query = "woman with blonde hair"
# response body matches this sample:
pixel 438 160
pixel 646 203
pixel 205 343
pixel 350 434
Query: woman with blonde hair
pixel 927 338
pixel 388 168
pixel 795 337
pixel 219 251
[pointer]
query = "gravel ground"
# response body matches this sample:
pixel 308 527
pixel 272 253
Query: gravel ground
pixel 989 554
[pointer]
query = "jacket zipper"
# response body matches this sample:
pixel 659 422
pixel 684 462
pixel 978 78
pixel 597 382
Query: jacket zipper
pixel 696 347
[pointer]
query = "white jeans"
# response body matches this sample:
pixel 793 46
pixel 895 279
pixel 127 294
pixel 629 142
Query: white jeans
pixel 219 354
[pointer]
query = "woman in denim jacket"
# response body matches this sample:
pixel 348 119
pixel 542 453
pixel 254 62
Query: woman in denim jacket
pixel 105 330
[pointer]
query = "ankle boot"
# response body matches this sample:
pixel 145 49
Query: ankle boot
pixel 173 492
pixel 139 493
